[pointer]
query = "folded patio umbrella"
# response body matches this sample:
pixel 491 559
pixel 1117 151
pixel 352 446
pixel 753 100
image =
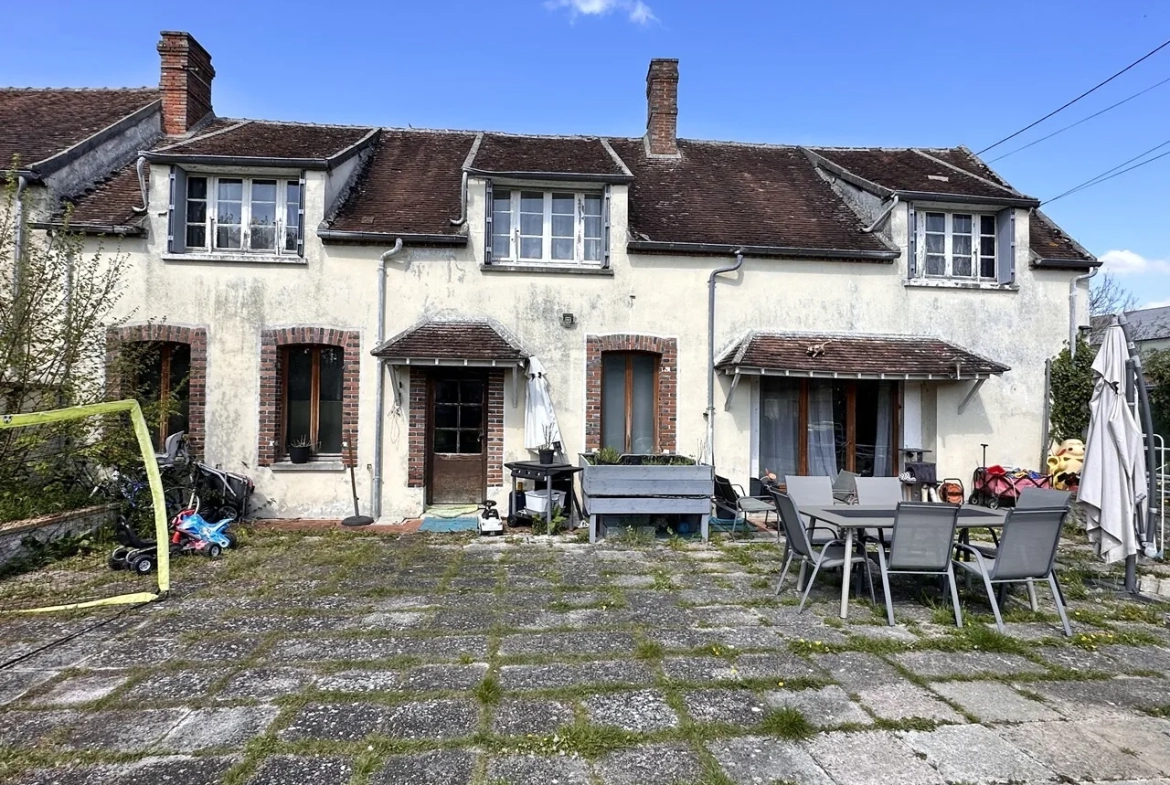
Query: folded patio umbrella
pixel 540 418
pixel 1113 478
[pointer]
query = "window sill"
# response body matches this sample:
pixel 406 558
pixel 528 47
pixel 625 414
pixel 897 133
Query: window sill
pixel 546 269
pixel 319 465
pixel 234 258
pixel 943 283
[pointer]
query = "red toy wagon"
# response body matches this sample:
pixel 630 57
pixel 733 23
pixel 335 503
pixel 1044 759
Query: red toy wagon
pixel 995 486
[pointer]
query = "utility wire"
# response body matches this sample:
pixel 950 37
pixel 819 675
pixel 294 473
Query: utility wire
pixel 1109 174
pixel 1078 122
pixel 1096 87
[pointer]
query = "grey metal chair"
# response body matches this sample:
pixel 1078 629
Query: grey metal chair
pixel 830 555
pixel 1037 498
pixel 921 544
pixel 730 498
pixel 879 490
pixel 1027 552
pixel 845 487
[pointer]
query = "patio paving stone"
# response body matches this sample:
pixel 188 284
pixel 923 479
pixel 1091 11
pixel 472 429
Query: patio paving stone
pixel 525 716
pixel 537 770
pixel 433 719
pixel 1075 750
pixel 568 643
pixel 560 675
pixel 904 701
pixel 337 722
pixel 14 684
pixel 870 757
pixel 287 769
pixel 993 701
pixel 739 707
pixel 101 774
pixel 176 770
pixel 756 760
pixel 84 688
pixel 1076 699
pixel 222 727
pixel 27 728
pixel 1147 737
pixel 640 711
pixel 431 678
pixel 264 683
pixel 855 670
pixel 652 764
pixel 440 767
pixel 973 753
pixel 217 650
pixel 965 664
pixel 826 707
pixel 359 681
pixel 122 730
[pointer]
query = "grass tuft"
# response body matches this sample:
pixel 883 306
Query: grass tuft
pixel 648 650
pixel 487 691
pixel 787 723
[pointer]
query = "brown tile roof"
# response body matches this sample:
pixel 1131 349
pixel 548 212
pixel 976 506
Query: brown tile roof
pixel 111 202
pixel 262 139
pixel 545 154
pixel 1050 244
pixel 411 185
pixel 968 161
pixel 737 194
pixel 39 123
pixel 479 340
pixel 856 356
pixel 910 170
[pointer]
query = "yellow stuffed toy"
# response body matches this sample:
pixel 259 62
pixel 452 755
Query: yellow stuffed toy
pixel 1065 464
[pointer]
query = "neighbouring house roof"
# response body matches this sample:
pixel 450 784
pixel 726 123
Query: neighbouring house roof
pixel 854 357
pixel 1051 247
pixel 411 186
pixel 921 171
pixel 1148 324
pixel 504 154
pixel 472 342
pixel 721 195
pixel 312 146
pixel 38 124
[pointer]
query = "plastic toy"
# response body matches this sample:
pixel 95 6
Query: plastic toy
pixel 489 521
pixel 1065 464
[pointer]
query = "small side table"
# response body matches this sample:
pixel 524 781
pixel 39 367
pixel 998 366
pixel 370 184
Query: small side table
pixel 535 470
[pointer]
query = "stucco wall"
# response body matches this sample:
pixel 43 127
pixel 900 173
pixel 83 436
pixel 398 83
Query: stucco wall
pixel 648 295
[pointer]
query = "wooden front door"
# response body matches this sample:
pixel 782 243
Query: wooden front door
pixel 457 437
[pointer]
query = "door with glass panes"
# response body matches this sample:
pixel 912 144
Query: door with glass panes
pixel 456 438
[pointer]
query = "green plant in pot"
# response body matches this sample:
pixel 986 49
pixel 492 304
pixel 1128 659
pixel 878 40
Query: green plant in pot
pixel 300 450
pixel 547 450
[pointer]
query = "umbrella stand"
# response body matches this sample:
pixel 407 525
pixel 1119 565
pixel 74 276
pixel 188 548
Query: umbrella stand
pixel 356 519
pixel 1136 383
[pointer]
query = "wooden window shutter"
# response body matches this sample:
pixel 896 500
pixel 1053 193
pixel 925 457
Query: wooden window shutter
pixel 301 217
pixel 177 212
pixel 605 229
pixel 1005 246
pixel 911 242
pixel 487 222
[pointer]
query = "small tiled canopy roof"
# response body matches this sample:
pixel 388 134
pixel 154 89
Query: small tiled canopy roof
pixel 472 342
pixel 1053 248
pixel 854 357
pixel 263 139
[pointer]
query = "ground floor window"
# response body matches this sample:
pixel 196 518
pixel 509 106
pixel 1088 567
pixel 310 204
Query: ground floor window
pixel 821 426
pixel 629 401
pixel 161 370
pixel 314 388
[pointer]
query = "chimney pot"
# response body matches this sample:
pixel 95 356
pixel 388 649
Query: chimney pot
pixel 662 107
pixel 185 82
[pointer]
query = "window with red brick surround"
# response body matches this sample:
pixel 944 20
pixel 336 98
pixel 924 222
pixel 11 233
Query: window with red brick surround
pixel 417 437
pixel 667 351
pixel 270 448
pixel 196 339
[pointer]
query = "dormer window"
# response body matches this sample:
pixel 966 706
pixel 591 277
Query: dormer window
pixel 231 216
pixel 962 246
pixel 533 227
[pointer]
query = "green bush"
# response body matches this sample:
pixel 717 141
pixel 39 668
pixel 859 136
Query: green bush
pixel 1072 388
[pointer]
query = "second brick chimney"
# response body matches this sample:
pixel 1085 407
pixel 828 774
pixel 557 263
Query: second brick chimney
pixel 185 82
pixel 662 107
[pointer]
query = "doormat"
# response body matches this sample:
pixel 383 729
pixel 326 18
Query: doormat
pixel 448 524
pixel 450 510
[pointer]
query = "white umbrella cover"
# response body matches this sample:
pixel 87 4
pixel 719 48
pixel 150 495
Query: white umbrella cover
pixel 540 419
pixel 1113 478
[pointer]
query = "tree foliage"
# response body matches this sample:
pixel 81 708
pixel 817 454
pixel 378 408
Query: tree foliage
pixel 1072 388
pixel 1107 296
pixel 1156 368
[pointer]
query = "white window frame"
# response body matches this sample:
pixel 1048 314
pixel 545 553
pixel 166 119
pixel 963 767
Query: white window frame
pixel 977 237
pixel 511 253
pixel 212 211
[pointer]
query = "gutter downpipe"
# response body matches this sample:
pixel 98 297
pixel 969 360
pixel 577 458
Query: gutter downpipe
pixel 380 384
pixel 885 213
pixel 1072 310
pixel 711 351
pixel 18 244
pixel 462 219
pixel 140 166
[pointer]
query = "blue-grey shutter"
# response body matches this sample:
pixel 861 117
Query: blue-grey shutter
pixel 1005 246
pixel 177 212
pixel 605 230
pixel 912 242
pixel 301 217
pixel 487 222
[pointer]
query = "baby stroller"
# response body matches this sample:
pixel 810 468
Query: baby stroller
pixel 224 494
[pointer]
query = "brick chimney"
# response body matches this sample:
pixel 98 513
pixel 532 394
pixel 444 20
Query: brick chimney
pixel 185 82
pixel 662 107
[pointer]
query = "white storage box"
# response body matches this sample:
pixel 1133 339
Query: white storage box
pixel 537 501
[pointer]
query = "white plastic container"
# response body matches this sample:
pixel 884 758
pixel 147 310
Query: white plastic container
pixel 537 501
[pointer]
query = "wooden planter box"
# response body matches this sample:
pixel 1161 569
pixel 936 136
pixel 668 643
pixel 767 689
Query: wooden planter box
pixel 646 490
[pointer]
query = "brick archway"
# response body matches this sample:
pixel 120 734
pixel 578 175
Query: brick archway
pixel 269 448
pixel 667 351
pixel 196 339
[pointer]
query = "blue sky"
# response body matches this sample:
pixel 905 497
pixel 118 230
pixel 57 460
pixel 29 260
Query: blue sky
pixel 831 72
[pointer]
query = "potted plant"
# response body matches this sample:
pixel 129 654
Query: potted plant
pixel 547 450
pixel 300 450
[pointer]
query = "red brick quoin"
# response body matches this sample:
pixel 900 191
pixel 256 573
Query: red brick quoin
pixel 417 437
pixel 196 338
pixel 667 351
pixel 272 395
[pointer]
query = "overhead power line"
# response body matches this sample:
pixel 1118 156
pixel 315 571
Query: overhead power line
pixel 1082 120
pixel 1093 89
pixel 1109 174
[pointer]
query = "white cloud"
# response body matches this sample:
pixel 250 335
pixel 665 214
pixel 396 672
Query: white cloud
pixel 1156 304
pixel 1126 262
pixel 637 11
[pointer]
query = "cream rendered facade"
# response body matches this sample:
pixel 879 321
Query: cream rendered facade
pixel 334 285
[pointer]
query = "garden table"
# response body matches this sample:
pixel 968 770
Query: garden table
pixel 852 518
